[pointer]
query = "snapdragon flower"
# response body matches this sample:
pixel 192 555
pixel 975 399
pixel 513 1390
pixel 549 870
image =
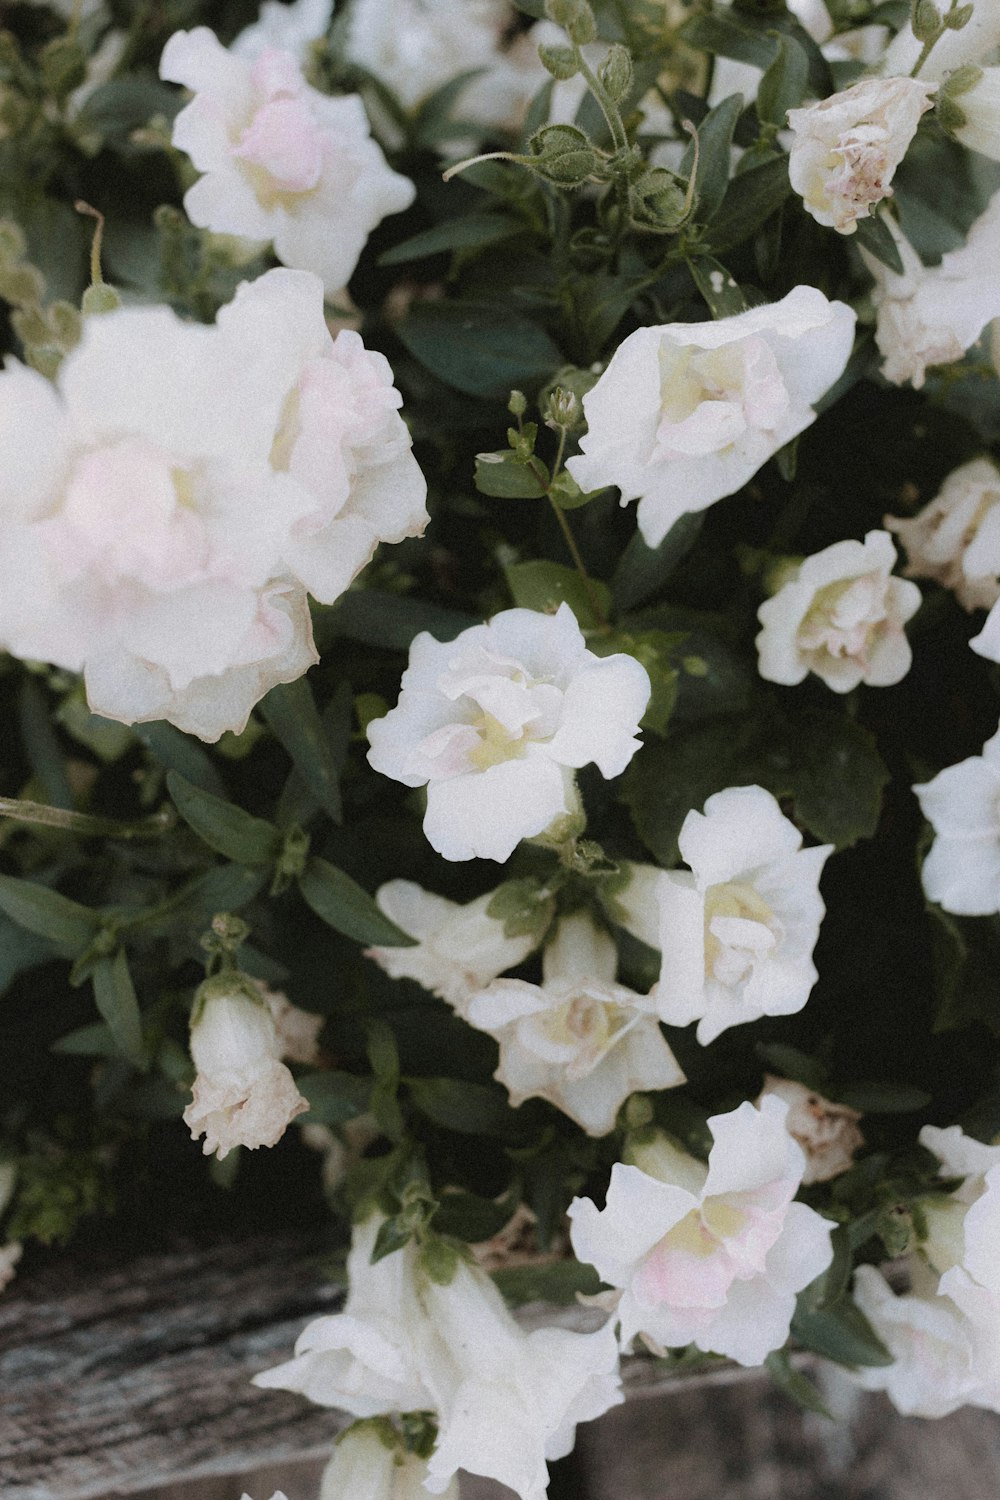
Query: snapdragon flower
pixel 827 1132
pixel 962 803
pixel 964 1230
pixel 955 538
pixel 578 1039
pixel 368 1464
pixel 686 413
pixel 708 1255
pixel 281 163
pixel 840 614
pixel 495 722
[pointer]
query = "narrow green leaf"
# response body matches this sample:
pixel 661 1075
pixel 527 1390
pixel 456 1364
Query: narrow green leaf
pixel 794 1384
pixel 20 950
pixel 179 752
pixel 292 716
pixel 116 1000
pixel 69 926
pixel 41 746
pixel 375 618
pixel 383 1054
pixel 545 585
pixel 334 1098
pixel 642 570
pixel 842 1333
pixel 716 285
pixel 557 1282
pixel 222 826
pixel 874 234
pixel 784 84
pixel 715 140
pixel 342 904
pixel 506 477
pixel 474 231
pixel 750 200
pixel 469 1108
pixel 884 1098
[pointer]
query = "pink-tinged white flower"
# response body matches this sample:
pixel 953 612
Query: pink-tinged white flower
pixel 578 1039
pixel 281 163
pixel 495 722
pixel 930 316
pixel 243 1095
pixel 962 804
pixel 845 149
pixel 285 28
pixel 976 41
pixel 955 539
pixel 505 1400
pixel 369 1463
pixel 935 1365
pixel 687 413
pixel 712 1256
pixel 840 615
pixel 736 933
pixel 459 949
pixel 169 500
pixel 964 1229
pixel 827 1132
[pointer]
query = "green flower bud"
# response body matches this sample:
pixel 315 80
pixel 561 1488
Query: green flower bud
pixel 560 61
pixel 926 22
pixel 615 72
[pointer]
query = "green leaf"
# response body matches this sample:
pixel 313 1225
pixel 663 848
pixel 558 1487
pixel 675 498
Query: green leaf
pixel 41 746
pixel 792 1063
pixel 342 904
pixel 293 718
pixel 383 1055
pixel 469 1217
pixel 522 908
pixel 842 1333
pixel 718 288
pixel 474 231
pixel 750 200
pixel 178 752
pixel 965 955
pixel 124 104
pixel 883 1098
pixel 506 477
pixel 794 1384
pixel 481 348
pixel 643 570
pixel 557 1283
pixel 469 1108
pixel 334 1098
pixel 116 1000
pixel 715 140
pixel 375 618
pixel 227 829
pixel 66 924
pixel 191 909
pixel 20 950
pixel 832 769
pixel 748 39
pixel 568 495
pixel 784 84
pixel 545 585
pixel 874 234
pixel 95 1040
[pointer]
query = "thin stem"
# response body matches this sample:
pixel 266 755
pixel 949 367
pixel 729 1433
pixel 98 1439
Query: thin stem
pixel 86 824
pixel 608 109
pixel 96 277
pixel 930 44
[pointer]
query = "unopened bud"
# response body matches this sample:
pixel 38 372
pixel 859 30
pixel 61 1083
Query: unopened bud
pixel 518 404
pixel 926 22
pixel 576 18
pixel 563 154
pixel 615 72
pixel 559 61
pixel 562 409
pixel 959 18
pixel 100 298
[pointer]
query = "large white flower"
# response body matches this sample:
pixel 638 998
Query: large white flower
pixel 736 934
pixel 688 412
pixel 578 1039
pixel 168 502
pixel 505 1400
pixel 495 722
pixel 841 615
pixel 288 28
pixel 459 948
pixel 416 46
pixel 955 539
pixel 712 1256
pixel 931 316
pixel 845 149
pixel 962 803
pixel 827 1132
pixel 243 1094
pixel 964 1230
pixel 281 162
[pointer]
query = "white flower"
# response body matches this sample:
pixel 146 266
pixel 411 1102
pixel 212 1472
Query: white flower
pixel 841 615
pixel 687 413
pixel 495 722
pixel 977 40
pixel 368 1464
pixel 287 28
pixel 955 539
pixel 973 111
pixel 711 1256
pixel 505 1400
pixel 460 948
pixel 297 1030
pixel 845 149
pixel 416 46
pixel 243 1094
pixel 282 163
pixel 579 1040
pixel 827 1132
pixel 930 316
pixel 965 1230
pixel 962 803
pixel 934 1369
pixel 167 504
pixel 736 934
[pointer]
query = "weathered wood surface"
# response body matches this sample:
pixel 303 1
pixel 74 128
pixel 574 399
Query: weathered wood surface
pixel 136 1382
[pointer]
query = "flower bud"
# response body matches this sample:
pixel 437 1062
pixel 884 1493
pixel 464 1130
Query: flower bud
pixel 559 61
pixel 368 1464
pixel 576 17
pixel 969 108
pixel 927 24
pixel 615 72
pixel 243 1095
pixel 563 154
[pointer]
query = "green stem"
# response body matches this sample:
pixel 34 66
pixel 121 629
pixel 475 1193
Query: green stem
pixel 608 108
pixel 930 44
pixel 86 824
pixel 588 583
